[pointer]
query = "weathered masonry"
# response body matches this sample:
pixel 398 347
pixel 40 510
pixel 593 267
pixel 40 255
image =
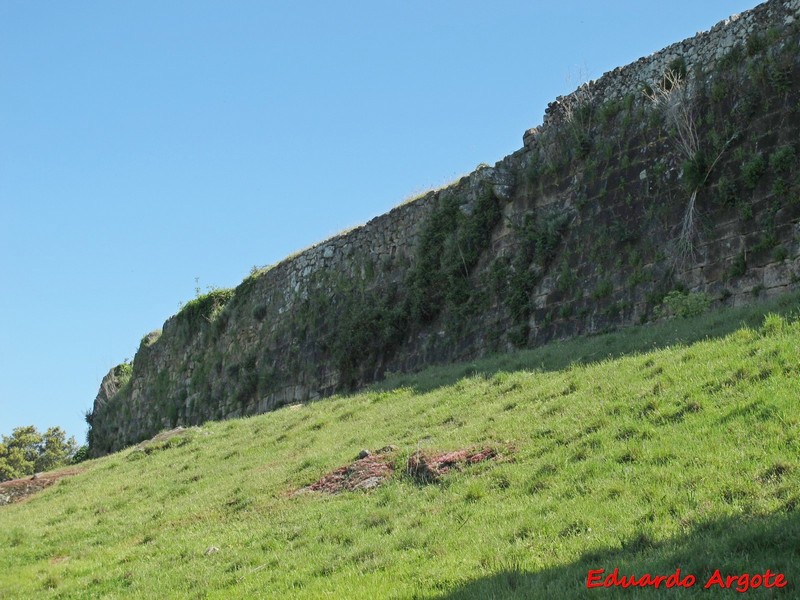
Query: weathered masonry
pixel 678 172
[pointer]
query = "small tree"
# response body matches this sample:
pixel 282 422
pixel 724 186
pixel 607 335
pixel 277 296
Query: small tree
pixel 55 449
pixel 26 451
pixel 7 468
pixel 19 452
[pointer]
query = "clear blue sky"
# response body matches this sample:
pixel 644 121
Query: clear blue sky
pixel 145 144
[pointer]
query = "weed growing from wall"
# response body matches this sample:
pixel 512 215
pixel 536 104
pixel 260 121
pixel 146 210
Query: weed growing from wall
pixel 683 304
pixel 426 290
pixel 203 310
pixel 356 324
pixel 451 244
pixel 752 171
pixel 673 97
pixel 537 242
pixel 783 160
pixel 578 118
pixel 738 266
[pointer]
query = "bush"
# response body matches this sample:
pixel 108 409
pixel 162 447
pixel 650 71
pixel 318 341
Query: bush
pixel 534 172
pixel 260 312
pixel 678 68
pixel 603 289
pixel 779 74
pixel 538 242
pixel 725 192
pixel 753 169
pixel 732 59
pixel 755 44
pixel 26 451
pixel 783 159
pixel 609 110
pixel 206 307
pixel 680 304
pixel 81 454
pixel 739 265
pixel 780 254
pixel 695 171
pixel 451 243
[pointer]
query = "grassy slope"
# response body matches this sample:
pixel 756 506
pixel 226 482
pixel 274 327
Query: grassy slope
pixel 686 456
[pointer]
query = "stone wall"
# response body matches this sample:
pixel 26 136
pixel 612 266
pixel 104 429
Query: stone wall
pixel 578 232
pixel 700 53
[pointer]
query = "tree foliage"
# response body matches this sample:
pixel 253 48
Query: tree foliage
pixel 27 451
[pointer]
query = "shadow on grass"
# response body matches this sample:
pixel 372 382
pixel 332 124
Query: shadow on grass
pixel 733 545
pixel 594 348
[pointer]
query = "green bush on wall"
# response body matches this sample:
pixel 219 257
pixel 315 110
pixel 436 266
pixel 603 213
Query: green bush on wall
pixel 538 240
pixel 783 159
pixel 753 169
pixel 682 304
pixel 371 316
pixel 204 308
pixel 450 245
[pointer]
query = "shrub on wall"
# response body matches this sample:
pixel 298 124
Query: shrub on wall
pixel 451 244
pixel 752 170
pixel 783 159
pixel 204 309
pixel 682 304
pixel 538 239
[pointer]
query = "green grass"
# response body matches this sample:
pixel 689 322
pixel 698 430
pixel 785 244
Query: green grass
pixel 589 349
pixel 684 454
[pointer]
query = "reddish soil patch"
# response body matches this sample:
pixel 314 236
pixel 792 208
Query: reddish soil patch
pixel 363 474
pixel 371 470
pixel 16 490
pixel 428 467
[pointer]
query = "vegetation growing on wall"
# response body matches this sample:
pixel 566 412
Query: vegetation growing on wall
pixel 204 309
pixel 537 238
pixel 371 318
pixel 591 240
pixel 360 322
pixel 450 245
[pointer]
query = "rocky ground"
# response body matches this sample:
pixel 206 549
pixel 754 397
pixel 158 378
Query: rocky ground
pixel 16 490
pixel 370 469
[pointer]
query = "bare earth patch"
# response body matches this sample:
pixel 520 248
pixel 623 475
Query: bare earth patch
pixel 370 470
pixel 16 490
pixel 364 474
pixel 429 467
